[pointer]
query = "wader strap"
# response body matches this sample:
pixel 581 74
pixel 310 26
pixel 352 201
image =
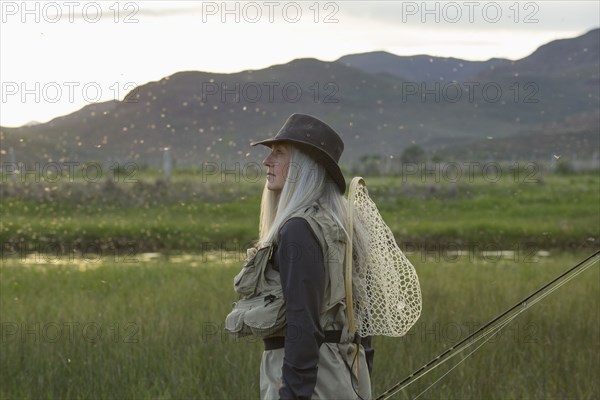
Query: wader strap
pixel 278 342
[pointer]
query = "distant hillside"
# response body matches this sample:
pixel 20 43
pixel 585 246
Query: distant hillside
pixel 575 137
pixel 204 116
pixel 577 57
pixel 420 68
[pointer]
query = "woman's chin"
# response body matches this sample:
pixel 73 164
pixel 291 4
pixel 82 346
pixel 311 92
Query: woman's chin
pixel 273 188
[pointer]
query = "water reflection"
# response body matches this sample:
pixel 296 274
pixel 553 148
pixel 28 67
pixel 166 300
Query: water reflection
pixel 224 258
pixel 93 261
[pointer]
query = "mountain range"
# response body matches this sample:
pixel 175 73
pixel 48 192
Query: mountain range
pixel 529 109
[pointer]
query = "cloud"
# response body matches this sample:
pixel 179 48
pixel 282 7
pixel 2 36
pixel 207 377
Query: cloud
pixel 559 16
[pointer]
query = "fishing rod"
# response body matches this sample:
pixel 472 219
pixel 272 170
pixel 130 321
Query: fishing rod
pixel 492 326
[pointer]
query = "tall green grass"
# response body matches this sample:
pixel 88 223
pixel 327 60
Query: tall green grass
pixel 162 334
pixel 554 212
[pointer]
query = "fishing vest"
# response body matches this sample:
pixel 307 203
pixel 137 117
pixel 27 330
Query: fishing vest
pixel 261 308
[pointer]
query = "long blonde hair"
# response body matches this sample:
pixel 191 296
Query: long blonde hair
pixel 307 181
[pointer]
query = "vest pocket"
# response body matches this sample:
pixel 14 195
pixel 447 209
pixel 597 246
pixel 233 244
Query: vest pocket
pixel 260 316
pixel 246 281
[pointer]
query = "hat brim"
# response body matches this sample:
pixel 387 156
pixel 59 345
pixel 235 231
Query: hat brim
pixel 316 153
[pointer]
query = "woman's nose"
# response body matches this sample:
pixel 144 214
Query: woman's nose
pixel 267 161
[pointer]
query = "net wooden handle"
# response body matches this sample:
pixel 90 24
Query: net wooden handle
pixel 348 259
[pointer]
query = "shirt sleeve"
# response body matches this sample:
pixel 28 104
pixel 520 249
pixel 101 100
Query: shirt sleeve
pixel 302 273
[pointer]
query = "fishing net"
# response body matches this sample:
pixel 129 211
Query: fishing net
pixel 386 296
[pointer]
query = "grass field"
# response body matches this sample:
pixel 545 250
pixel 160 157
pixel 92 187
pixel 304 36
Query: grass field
pixel 152 328
pixel 120 290
pixel 550 211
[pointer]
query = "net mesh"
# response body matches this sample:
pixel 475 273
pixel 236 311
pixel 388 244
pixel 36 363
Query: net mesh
pixel 386 291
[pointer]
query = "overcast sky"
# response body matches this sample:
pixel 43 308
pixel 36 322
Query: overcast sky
pixel 56 57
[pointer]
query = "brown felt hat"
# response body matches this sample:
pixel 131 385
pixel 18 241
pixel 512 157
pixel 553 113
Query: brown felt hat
pixel 317 139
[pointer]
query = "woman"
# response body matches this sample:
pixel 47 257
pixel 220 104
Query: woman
pixel 303 219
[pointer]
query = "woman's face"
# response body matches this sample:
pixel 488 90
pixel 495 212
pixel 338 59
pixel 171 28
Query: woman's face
pixel 277 162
